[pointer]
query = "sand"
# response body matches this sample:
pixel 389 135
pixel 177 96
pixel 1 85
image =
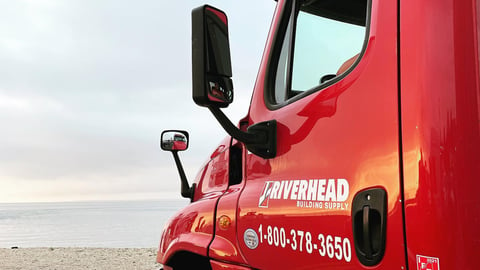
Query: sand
pixel 78 258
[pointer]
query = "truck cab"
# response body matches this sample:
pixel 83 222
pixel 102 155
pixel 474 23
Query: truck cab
pixel 360 148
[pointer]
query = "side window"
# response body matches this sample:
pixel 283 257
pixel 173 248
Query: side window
pixel 326 40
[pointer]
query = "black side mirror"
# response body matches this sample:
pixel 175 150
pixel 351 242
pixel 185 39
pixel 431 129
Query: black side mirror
pixel 174 141
pixel 211 64
pixel 212 83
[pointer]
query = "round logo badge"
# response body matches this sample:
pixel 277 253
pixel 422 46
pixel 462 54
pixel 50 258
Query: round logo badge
pixel 251 239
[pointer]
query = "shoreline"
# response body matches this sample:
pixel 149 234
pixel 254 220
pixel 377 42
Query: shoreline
pixel 78 258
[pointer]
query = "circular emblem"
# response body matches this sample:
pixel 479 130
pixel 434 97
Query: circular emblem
pixel 251 239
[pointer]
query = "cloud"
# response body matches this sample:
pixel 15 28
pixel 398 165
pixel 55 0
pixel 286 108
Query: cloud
pixel 27 105
pixel 86 88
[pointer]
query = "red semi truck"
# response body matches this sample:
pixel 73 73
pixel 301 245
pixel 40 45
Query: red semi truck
pixel 360 148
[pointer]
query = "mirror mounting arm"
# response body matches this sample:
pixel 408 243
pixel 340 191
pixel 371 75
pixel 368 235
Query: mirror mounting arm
pixel 260 139
pixel 186 190
pixel 233 131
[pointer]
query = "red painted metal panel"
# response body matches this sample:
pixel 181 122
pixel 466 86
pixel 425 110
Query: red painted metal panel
pixel 441 135
pixel 192 229
pixel 348 131
pixel 225 245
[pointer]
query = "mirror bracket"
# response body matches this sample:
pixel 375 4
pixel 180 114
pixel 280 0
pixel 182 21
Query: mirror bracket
pixel 267 148
pixel 260 139
pixel 185 189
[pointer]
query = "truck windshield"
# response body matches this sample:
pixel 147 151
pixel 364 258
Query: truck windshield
pixel 179 138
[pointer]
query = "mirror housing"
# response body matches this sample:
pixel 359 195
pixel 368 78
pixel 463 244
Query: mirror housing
pixel 174 140
pixel 211 64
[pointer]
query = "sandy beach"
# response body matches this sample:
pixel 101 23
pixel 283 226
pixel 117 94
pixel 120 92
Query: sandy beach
pixel 78 258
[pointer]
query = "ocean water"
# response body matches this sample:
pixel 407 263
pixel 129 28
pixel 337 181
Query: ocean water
pixel 85 224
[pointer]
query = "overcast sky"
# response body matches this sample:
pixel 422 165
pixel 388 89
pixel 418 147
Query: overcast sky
pixel 86 87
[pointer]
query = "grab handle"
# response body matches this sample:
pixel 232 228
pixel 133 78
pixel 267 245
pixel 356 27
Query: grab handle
pixel 369 218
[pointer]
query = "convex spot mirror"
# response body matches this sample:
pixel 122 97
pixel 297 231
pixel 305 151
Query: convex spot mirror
pixel 211 64
pixel 174 140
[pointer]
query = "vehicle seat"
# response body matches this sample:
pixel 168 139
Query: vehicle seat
pixel 347 64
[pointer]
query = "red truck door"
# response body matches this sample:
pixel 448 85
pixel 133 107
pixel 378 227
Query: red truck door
pixel 332 197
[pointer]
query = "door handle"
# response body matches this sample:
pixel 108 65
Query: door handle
pixel 369 218
pixel 367 245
